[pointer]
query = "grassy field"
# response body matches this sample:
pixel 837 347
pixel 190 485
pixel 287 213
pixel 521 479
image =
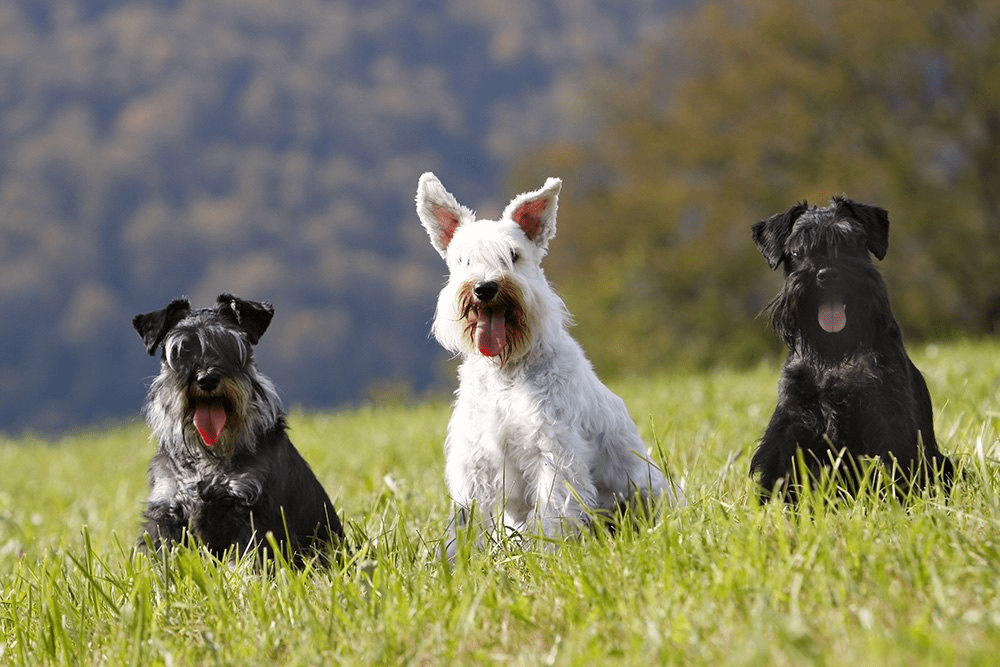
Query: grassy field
pixel 721 581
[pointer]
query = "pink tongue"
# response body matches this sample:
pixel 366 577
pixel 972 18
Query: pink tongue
pixel 491 334
pixel 832 316
pixel 210 420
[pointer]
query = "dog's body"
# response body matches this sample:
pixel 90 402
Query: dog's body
pixel 225 471
pixel 848 389
pixel 535 439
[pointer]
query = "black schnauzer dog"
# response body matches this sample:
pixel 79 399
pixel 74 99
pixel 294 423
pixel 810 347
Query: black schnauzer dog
pixel 848 389
pixel 225 472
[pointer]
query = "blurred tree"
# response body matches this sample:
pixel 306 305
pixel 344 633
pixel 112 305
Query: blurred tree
pixel 742 110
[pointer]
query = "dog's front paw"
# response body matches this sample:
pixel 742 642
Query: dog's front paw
pixel 212 489
pixel 237 490
pixel 247 490
pixel 165 524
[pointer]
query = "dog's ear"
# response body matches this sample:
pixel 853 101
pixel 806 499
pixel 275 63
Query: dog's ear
pixel 153 327
pixel 439 212
pixel 770 234
pixel 535 212
pixel 874 220
pixel 251 316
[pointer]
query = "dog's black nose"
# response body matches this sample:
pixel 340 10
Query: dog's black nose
pixel 486 290
pixel 826 275
pixel 207 381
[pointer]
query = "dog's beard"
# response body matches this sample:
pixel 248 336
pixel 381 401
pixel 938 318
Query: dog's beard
pixel 830 324
pixel 498 327
pixel 800 303
pixel 218 419
pixel 215 424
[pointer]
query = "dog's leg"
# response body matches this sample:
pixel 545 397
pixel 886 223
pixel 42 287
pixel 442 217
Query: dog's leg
pixel 466 509
pixel 775 456
pixel 563 489
pixel 225 518
pixel 167 512
pixel 291 502
pixel 165 524
pixel 934 465
pixel 789 435
pixel 475 474
pixel 457 524
pixel 899 428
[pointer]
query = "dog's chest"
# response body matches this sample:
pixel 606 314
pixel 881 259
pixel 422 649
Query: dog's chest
pixel 500 413
pixel 495 412
pixel 174 485
pixel 844 400
pixel 179 480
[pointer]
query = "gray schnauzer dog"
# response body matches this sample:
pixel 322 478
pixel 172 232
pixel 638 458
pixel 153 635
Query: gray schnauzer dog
pixel 225 472
pixel 848 389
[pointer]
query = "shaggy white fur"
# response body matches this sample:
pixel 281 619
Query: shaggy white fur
pixel 536 441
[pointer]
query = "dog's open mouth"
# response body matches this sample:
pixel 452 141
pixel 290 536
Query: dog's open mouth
pixel 210 419
pixel 491 332
pixel 494 325
pixel 833 315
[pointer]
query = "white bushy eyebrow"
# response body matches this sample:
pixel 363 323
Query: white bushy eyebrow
pixel 498 251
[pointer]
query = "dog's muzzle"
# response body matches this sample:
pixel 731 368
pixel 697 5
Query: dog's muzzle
pixel 207 381
pixel 490 318
pixel 827 276
pixel 486 290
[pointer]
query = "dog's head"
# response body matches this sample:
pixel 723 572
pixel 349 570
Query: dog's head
pixel 834 298
pixel 208 384
pixel 497 295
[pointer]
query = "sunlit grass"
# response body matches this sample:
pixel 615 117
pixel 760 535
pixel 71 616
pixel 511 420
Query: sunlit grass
pixel 720 581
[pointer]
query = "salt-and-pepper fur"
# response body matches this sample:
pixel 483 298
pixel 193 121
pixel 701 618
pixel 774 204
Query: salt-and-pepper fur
pixel 225 471
pixel 536 441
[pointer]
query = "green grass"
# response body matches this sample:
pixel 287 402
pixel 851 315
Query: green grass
pixel 720 582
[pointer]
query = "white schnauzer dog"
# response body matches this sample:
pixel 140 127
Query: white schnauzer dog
pixel 225 472
pixel 536 441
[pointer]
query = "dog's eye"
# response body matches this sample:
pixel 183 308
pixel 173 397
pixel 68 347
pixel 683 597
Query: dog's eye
pixel 514 256
pixel 174 353
pixel 181 350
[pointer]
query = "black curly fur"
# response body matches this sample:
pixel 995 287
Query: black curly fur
pixel 850 394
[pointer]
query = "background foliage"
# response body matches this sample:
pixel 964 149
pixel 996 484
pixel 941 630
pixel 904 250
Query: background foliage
pixel 742 110
pixel 152 149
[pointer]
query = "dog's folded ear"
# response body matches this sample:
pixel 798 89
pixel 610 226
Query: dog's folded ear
pixel 439 212
pixel 535 212
pixel 770 234
pixel 251 316
pixel 874 220
pixel 153 327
